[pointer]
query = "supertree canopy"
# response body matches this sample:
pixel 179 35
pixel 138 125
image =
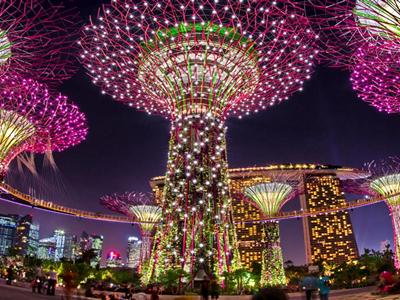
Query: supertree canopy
pixel 140 207
pixel 269 198
pixel 38 40
pixel 32 120
pixel 385 181
pixel 375 76
pixel 379 17
pixel 344 26
pixel 196 63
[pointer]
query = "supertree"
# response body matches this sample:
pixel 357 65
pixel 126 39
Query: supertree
pixel 32 120
pixel 385 181
pixel 375 76
pixel 269 198
pixel 140 207
pixel 344 26
pixel 38 40
pixel 362 36
pixel 196 63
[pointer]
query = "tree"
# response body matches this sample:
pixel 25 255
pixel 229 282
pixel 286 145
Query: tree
pixel 171 278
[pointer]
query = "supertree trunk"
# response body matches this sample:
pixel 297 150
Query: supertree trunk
pixel 145 252
pixel 197 226
pixel 395 212
pixel 272 272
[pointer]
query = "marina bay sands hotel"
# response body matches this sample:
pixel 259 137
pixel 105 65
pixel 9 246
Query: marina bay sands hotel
pixel 328 237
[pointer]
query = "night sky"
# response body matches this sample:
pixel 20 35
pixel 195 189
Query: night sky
pixel 325 123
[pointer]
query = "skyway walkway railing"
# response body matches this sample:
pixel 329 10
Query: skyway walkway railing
pixel 27 200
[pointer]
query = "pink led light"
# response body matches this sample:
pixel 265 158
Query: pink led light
pixel 38 40
pixel 32 120
pixel 375 76
pixel 258 54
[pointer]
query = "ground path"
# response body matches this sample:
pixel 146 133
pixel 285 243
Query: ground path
pixel 18 293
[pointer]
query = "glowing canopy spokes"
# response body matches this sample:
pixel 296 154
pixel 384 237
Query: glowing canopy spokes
pixel 38 40
pixel 150 215
pixel 139 206
pixel 14 130
pixel 381 17
pixel 269 197
pixel 198 77
pixel 32 120
pixel 228 58
pixel 388 185
pixel 375 75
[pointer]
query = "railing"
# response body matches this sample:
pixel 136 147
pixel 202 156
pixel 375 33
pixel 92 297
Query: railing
pixel 51 206
pixel 48 205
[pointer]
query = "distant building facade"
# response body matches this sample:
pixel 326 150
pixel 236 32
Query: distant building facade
pixel 21 243
pixel 34 233
pixel 8 227
pixel 59 240
pixel 47 249
pixel 133 252
pixel 96 244
pixel 114 260
pixel 328 237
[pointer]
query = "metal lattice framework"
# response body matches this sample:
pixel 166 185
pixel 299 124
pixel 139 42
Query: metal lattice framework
pixel 385 181
pixel 379 17
pixel 344 26
pixel 32 120
pixel 227 57
pixel 364 37
pixel 38 40
pixel 269 198
pixel 375 75
pixel 140 207
pixel 196 63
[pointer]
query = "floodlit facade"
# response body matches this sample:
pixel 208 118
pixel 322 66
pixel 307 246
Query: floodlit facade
pixel 33 239
pixel 8 226
pixel 59 240
pixel 133 252
pixel 96 244
pixel 328 237
pixel 47 249
pixel 22 235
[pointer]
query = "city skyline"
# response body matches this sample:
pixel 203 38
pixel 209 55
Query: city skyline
pixel 325 123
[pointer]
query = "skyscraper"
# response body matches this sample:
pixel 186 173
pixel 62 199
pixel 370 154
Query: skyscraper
pixel 76 250
pixel 114 260
pixel 21 243
pixel 96 244
pixel 328 237
pixel 59 240
pixel 133 252
pixel 84 241
pixel 8 226
pixel 47 249
pixel 68 244
pixel 33 246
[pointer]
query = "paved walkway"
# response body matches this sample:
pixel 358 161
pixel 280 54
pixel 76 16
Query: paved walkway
pixel 18 293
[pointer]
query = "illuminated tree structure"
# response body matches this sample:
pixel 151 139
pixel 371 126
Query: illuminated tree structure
pixel 196 63
pixel 363 37
pixel 38 40
pixel 385 181
pixel 375 76
pixel 344 26
pixel 32 120
pixel 138 206
pixel 379 17
pixel 269 198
